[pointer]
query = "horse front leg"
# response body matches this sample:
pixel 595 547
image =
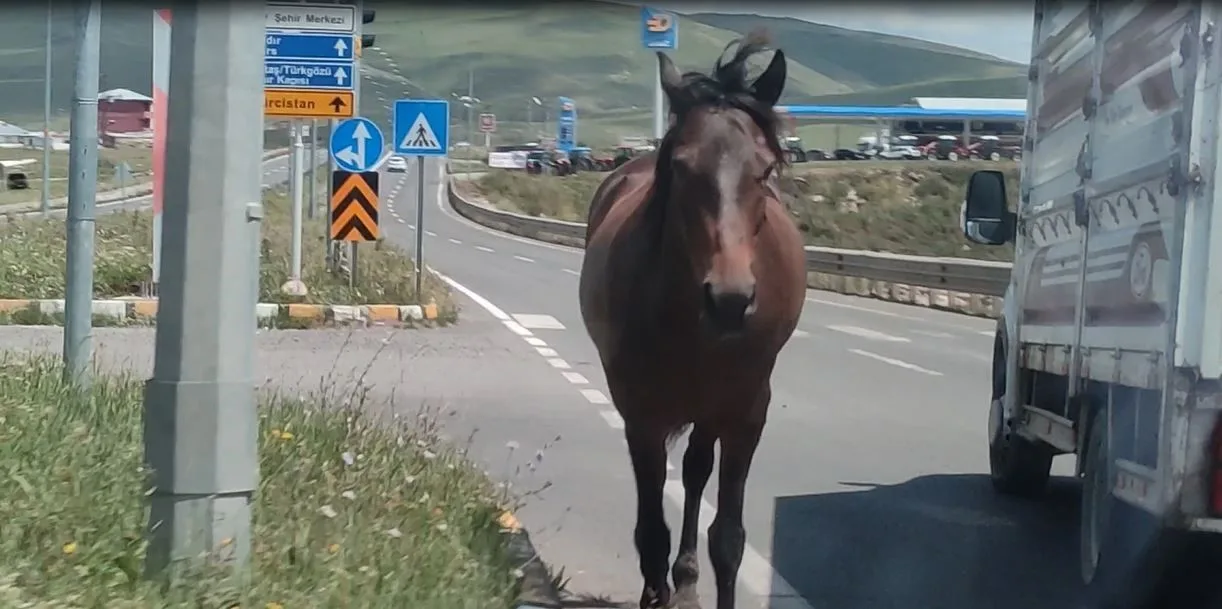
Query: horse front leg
pixel 647 448
pixel 727 538
pixel 697 467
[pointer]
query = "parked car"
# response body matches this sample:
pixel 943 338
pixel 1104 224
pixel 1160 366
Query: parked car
pixel 396 164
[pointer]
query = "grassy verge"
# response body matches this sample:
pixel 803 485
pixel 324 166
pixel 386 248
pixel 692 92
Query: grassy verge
pixel 138 157
pixel 32 253
pixel 350 512
pixel 906 208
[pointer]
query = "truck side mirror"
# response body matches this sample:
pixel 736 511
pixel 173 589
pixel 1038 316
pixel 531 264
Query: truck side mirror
pixel 984 218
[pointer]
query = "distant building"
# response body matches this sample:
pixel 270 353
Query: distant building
pixel 12 135
pixel 124 111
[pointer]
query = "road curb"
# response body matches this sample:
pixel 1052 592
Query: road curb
pixel 143 311
pixel 536 590
pixel 572 234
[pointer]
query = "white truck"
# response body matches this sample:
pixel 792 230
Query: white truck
pixel 1110 342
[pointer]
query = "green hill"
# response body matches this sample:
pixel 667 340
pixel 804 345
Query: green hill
pixel 589 51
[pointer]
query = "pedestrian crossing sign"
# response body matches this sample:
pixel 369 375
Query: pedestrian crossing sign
pixel 422 127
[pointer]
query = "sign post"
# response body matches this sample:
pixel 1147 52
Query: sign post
pixel 487 124
pixel 421 128
pixel 566 131
pixel 309 69
pixel 659 31
pixel 356 145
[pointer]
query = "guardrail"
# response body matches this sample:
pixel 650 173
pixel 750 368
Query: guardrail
pixel 967 286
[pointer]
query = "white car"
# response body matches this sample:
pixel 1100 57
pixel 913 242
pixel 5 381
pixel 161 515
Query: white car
pixel 396 164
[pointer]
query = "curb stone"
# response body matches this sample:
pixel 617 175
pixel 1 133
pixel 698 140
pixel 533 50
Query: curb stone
pixel 536 590
pixel 143 311
pixel 572 234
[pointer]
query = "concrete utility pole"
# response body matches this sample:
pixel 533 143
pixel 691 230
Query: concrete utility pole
pixel 46 119
pixel 82 190
pixel 311 203
pixel 199 408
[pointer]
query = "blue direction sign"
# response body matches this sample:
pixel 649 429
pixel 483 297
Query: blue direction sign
pixel 307 74
pixel 310 47
pixel 357 144
pixel 422 127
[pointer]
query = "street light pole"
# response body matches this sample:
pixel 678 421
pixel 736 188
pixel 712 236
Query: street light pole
pixel 46 120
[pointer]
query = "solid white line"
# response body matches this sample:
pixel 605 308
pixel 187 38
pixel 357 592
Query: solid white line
pixel 595 396
pixel 558 363
pixel 575 378
pixel 613 419
pixel 756 573
pixel 546 351
pixel 455 241
pixel 523 258
pixel 484 249
pixel 517 328
pixel 896 362
pixel 479 300
pixel 535 341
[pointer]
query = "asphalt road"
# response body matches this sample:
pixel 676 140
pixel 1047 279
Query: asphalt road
pixel 870 487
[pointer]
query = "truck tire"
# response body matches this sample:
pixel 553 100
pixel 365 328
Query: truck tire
pixel 1129 558
pixel 1017 466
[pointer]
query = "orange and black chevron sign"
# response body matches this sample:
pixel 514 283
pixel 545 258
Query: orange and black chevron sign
pixel 354 206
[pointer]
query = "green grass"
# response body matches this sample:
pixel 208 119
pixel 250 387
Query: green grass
pixel 350 511
pixel 138 158
pixel 32 253
pixel 904 208
pixel 589 51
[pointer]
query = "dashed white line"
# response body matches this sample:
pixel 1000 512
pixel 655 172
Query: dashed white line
pixel 613 420
pixel 535 341
pixel 575 378
pixel 517 328
pixel 868 333
pixel 547 351
pixel 455 241
pixel 798 333
pixel 895 362
pixel 572 272
pixel 988 332
pixel 484 249
pixel 595 396
pixel 399 220
pixel 933 333
pixel 430 233
pixel 411 226
pixel 756 573
pixel 523 258
pixel 538 322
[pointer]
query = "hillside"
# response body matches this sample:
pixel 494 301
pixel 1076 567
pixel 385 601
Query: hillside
pixel 589 51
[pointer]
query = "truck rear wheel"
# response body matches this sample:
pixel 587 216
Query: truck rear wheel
pixel 1017 466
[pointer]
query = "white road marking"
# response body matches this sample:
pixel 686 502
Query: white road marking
pixel 455 241
pixel 412 226
pixel 988 332
pixel 595 396
pixel 934 333
pixel 575 378
pixel 400 220
pixel 430 233
pixel 535 341
pixel 484 249
pixel 572 272
pixel 896 362
pixel 613 419
pixel 547 351
pixel 523 258
pixel 798 333
pixel 756 573
pixel 517 328
pixel 868 333
pixel 538 322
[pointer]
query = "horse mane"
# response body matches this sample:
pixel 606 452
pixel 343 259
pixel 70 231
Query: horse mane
pixel 728 86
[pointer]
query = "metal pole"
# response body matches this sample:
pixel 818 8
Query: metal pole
pixel 46 121
pixel 295 192
pixel 200 426
pixel 82 190
pixel 659 105
pixel 311 204
pixel 332 251
pixel 419 227
pixel 352 264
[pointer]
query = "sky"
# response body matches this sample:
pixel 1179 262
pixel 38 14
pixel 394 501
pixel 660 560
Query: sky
pixel 1002 29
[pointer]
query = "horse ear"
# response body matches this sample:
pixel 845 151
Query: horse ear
pixel 769 86
pixel 672 80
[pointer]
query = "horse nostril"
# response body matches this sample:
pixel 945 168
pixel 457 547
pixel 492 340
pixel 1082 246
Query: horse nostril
pixel 728 309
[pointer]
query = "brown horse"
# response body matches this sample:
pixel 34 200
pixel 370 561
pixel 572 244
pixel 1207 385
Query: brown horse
pixel 693 280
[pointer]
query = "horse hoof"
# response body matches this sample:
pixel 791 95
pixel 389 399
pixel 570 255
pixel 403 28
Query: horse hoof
pixel 659 599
